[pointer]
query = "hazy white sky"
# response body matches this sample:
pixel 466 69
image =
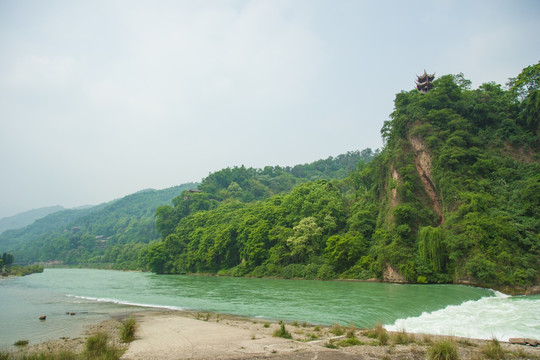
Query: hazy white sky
pixel 99 99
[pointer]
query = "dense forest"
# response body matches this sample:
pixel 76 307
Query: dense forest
pixel 116 234
pixel 453 197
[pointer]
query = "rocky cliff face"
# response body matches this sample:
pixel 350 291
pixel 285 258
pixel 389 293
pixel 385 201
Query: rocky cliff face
pixel 422 163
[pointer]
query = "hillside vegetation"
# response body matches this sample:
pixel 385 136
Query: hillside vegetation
pixel 115 234
pixel 110 233
pixel 453 197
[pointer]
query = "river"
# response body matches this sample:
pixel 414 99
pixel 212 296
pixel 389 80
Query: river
pixel 94 295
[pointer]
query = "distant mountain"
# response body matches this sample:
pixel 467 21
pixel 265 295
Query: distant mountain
pixel 27 217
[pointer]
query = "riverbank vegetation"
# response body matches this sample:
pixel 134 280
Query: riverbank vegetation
pixel 8 269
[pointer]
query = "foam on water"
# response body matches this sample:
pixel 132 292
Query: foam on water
pixel 500 316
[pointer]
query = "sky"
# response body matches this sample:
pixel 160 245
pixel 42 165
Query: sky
pixel 103 98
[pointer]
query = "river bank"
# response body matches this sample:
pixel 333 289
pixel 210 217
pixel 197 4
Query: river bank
pixel 172 335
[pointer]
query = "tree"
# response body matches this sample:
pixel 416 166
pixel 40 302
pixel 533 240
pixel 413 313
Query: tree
pixel 431 247
pixel 305 241
pixel 526 82
pixel 343 251
pixel 7 259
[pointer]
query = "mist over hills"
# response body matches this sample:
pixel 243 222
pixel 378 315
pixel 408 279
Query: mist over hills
pixel 26 218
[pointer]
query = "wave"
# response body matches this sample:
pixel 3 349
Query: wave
pixel 500 316
pixel 128 303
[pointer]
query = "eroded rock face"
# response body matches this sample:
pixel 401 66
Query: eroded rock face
pixel 422 162
pixel 392 275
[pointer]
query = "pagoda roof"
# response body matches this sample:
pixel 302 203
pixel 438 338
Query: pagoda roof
pixel 425 77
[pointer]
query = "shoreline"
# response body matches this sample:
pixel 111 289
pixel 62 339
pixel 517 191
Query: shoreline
pixel 185 334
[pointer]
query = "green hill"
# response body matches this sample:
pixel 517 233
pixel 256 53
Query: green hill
pixel 453 197
pixel 116 233
pixel 91 235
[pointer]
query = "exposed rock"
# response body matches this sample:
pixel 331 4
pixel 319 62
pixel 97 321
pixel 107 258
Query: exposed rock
pixel 422 162
pixel 523 341
pixel 392 275
pixel 533 290
pixel 43 317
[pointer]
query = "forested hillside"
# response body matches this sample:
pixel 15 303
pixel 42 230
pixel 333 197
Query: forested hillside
pixel 453 197
pixel 113 232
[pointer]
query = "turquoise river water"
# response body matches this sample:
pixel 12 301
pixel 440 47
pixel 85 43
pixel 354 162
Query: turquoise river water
pixel 95 295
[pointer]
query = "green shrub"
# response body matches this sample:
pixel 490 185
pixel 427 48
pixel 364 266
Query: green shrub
pixel 282 332
pixel 331 344
pixel 443 350
pixel 326 272
pixel 127 330
pixel 337 330
pixel 350 342
pixel 21 343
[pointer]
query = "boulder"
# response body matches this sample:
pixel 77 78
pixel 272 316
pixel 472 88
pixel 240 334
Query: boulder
pixel 523 341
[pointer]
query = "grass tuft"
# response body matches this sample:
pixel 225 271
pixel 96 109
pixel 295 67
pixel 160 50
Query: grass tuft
pixel 282 332
pixel 337 330
pixel 127 330
pixel 379 333
pixel 443 350
pixel 97 344
pixel 402 338
pixel 21 343
pixel 493 350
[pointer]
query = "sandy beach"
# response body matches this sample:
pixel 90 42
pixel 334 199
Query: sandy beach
pixel 187 335
pixel 176 335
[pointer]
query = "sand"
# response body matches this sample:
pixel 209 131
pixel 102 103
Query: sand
pixel 175 335
pixel 184 335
